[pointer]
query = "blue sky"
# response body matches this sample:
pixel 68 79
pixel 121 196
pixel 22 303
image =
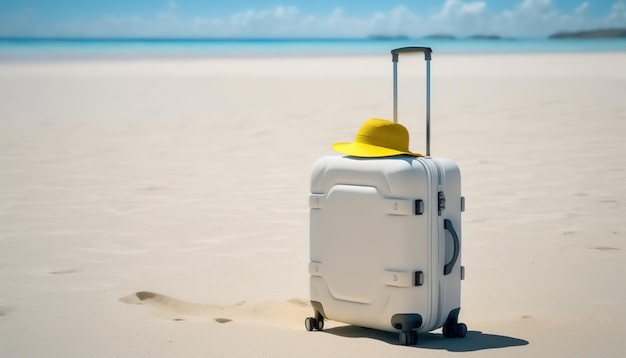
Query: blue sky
pixel 299 18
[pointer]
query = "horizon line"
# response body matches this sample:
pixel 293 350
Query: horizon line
pixel 381 38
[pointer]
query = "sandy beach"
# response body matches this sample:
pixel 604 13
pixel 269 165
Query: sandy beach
pixel 160 208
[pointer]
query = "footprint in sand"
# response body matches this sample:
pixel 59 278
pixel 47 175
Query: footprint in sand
pixel 63 272
pixel 605 248
pixel 299 302
pixel 168 307
pixel 287 312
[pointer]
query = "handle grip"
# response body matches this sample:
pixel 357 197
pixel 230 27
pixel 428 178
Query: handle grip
pixel 411 49
pixel 395 53
pixel 447 225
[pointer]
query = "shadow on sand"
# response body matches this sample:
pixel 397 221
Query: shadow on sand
pixel 474 341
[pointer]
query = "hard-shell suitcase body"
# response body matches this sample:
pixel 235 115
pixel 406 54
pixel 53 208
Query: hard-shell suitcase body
pixel 385 240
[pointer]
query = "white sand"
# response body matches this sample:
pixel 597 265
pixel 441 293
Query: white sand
pixel 160 208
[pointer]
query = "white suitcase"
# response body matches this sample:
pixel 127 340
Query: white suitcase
pixel 385 239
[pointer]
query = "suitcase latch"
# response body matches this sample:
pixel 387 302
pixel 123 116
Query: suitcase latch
pixel 419 207
pixel 419 278
pixel 442 202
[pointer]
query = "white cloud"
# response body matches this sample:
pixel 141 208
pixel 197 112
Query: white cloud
pixel 459 18
pixel 458 8
pixel 617 17
pixel 252 18
pixel 582 8
pixel 170 12
pixel 529 18
pixel 535 4
pixel 540 18
pixel 474 7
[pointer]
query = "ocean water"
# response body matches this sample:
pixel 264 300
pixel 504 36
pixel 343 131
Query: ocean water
pixel 45 49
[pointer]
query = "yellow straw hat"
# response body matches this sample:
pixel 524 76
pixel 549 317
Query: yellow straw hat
pixel 378 138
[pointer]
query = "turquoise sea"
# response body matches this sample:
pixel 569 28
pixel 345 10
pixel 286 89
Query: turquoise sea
pixel 45 49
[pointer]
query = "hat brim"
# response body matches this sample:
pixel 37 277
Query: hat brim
pixel 369 151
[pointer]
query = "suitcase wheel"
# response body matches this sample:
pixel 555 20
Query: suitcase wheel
pixel 458 330
pixel 461 330
pixel 311 323
pixel 408 338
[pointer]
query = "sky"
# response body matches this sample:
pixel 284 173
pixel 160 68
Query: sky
pixel 300 18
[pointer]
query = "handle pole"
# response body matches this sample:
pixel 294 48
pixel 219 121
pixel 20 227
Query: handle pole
pixel 428 107
pixel 395 54
pixel 395 92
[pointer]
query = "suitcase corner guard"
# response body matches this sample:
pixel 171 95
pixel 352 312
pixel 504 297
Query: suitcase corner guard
pixel 406 321
pixel 316 201
pixel 315 268
pixel 404 278
pixel 405 207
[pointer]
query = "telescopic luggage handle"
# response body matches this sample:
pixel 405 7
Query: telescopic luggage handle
pixel 427 55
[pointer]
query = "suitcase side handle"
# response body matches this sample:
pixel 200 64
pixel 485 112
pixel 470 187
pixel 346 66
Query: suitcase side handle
pixel 447 225
pixel 395 53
